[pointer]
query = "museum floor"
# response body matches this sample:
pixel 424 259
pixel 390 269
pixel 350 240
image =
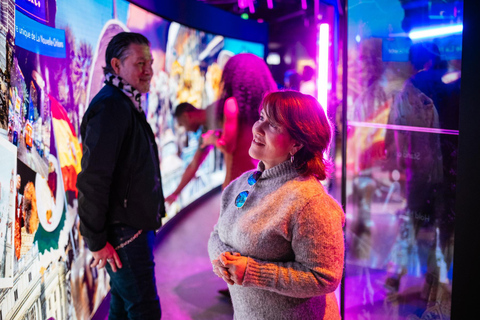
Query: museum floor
pixel 188 289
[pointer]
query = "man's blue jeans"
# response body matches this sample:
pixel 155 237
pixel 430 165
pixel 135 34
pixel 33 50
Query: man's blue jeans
pixel 133 287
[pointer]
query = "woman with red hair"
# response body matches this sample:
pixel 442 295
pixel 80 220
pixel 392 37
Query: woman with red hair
pixel 279 240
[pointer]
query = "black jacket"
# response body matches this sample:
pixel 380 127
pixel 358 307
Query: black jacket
pixel 120 181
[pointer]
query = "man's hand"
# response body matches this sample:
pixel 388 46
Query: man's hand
pixel 104 255
pixel 210 138
pixel 171 198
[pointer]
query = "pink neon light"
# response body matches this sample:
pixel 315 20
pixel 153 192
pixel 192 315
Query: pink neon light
pixel 304 4
pixel 322 76
pixel 251 7
pixel 270 4
pixel 242 4
pixel 400 127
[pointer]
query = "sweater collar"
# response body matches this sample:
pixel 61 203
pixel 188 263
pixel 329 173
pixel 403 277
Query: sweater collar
pixel 284 169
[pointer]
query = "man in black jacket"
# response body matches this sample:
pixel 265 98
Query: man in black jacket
pixel 121 201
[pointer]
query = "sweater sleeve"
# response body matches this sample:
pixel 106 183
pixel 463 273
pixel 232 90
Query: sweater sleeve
pixel 103 135
pixel 318 246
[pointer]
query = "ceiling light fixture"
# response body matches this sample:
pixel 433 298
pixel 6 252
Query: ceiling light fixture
pixel 242 4
pixel 251 7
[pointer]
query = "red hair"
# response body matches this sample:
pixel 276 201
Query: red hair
pixel 304 119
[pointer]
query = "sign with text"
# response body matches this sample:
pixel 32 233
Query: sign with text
pixel 36 37
pixel 35 8
pixel 450 47
pixel 395 49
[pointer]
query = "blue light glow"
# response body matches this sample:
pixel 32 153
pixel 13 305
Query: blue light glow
pixel 435 32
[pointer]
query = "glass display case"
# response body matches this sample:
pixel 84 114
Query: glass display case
pixel 403 97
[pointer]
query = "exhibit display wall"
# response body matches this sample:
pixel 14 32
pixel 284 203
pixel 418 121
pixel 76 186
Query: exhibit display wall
pixel 51 58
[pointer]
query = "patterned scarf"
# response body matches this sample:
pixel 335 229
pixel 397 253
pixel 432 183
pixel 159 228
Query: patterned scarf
pixel 130 91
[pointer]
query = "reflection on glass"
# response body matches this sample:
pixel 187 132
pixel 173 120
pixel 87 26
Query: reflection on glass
pixel 402 104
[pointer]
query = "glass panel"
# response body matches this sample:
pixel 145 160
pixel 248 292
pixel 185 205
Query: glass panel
pixel 402 105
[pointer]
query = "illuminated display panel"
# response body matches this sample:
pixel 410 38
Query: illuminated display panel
pixel 51 63
pixel 404 62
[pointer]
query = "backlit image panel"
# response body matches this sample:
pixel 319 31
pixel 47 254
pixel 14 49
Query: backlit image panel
pixel 402 143
pixel 194 63
pixel 7 47
pixel 56 50
pixel 8 200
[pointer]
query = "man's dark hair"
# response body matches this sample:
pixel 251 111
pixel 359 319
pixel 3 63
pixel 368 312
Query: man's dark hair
pixel 118 47
pixel 182 108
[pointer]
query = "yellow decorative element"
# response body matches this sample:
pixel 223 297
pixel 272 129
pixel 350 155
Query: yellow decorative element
pixel 68 149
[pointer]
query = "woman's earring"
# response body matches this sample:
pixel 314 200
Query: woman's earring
pixel 292 158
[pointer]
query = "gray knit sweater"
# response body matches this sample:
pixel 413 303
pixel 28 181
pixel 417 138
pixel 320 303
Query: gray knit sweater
pixel 291 231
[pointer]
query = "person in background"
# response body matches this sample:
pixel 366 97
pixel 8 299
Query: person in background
pixel 279 242
pixel 120 189
pixel 307 85
pixel 245 80
pixel 417 155
pixel 427 58
pixel 193 119
pixel 291 80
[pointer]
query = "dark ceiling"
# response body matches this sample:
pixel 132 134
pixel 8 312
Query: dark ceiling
pixel 292 29
pixel 288 21
pixel 282 9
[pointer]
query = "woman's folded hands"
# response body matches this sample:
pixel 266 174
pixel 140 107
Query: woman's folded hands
pixel 230 267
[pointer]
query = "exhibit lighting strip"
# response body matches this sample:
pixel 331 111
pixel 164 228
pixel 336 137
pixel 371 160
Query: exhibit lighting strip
pixel 402 127
pixel 270 4
pixel 251 7
pixel 322 75
pixel 435 32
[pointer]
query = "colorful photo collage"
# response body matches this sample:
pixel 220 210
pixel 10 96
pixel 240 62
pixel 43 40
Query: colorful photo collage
pixel 51 58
